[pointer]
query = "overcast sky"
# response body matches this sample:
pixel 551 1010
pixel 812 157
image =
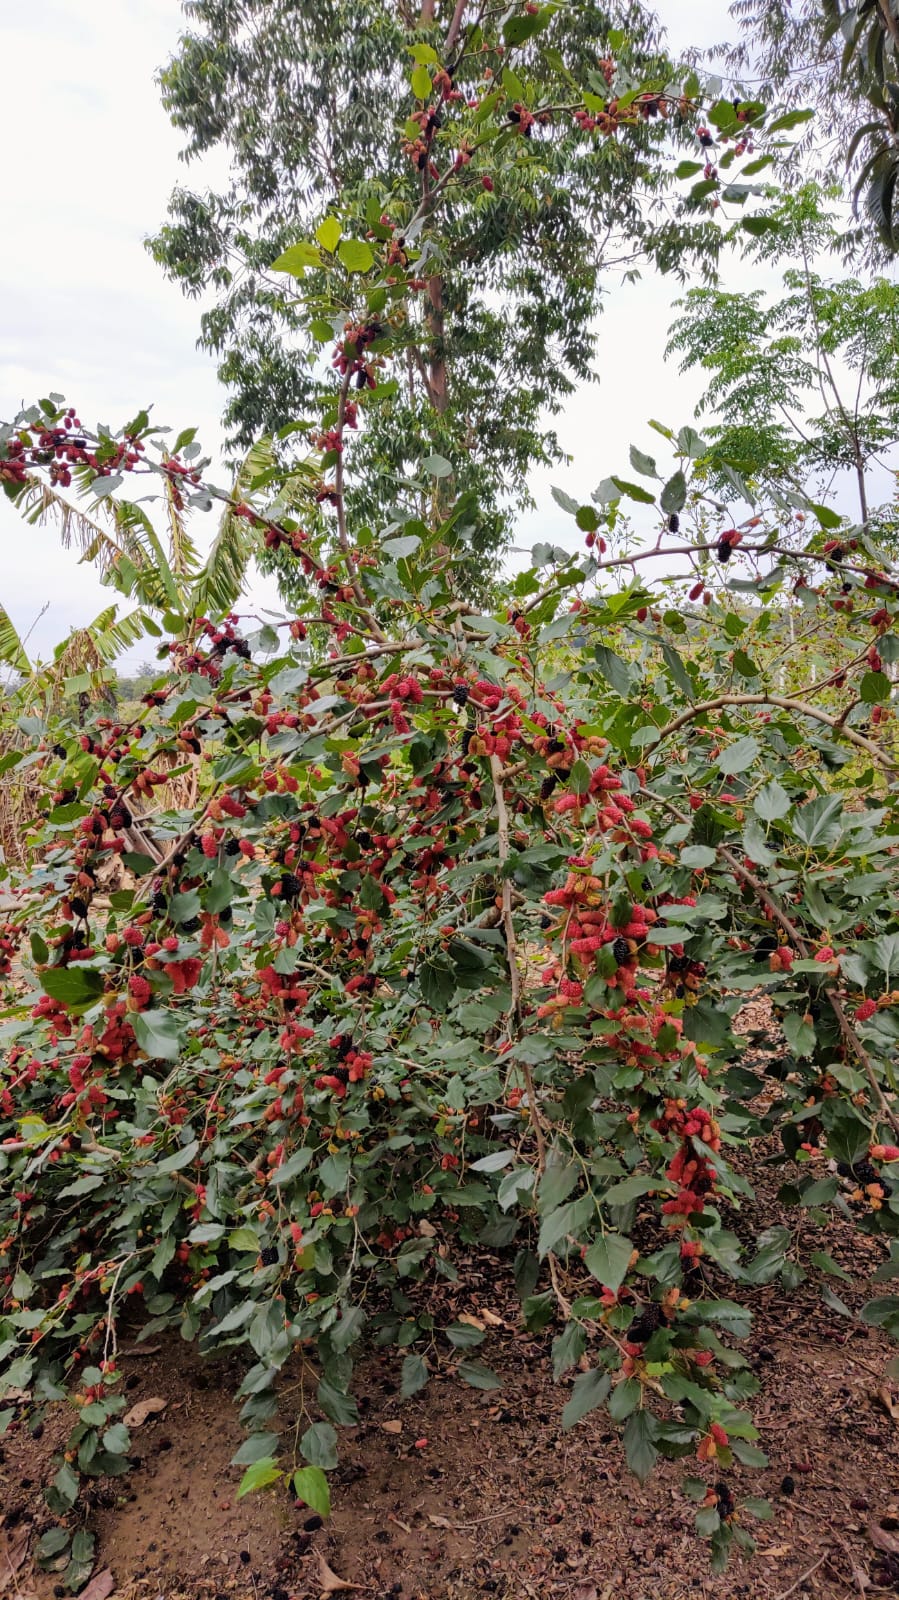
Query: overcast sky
pixel 87 313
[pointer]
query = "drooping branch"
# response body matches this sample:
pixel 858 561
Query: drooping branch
pixel 508 922
pixel 784 703
pixel 798 940
pixel 850 1036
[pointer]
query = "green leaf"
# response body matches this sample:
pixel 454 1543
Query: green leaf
pixel 758 225
pixel 677 669
pixel 614 670
pixel 624 1399
pixel 356 255
pixel 337 1406
pixel 297 258
pixel 66 1484
pixel 566 501
pixel 639 1434
pixel 421 83
pixel 643 463
pixel 882 1313
pixel 478 1376
pixel 116 1439
pixel 754 844
pixel 436 466
pixel 674 495
pixel 397 550
pixel 826 1263
pixel 875 688
pixel 244 1239
pixel 564 1220
pixel 259 1476
pixel 348 1329
pixel 328 234
pixel 557 1182
pixel 799 1034
pixel 568 1349
pixel 698 856
pixel 74 987
pixel 789 119
pixel 523 26
pixel 53 1542
pixel 293 1166
pixel 157 1034
pixel 621 1194
pixel 827 518
pixel 464 1337
pixel 179 1158
pixel 588 1391
pixel 772 802
pixel 414 1375
pixel 311 1486
pixel 738 756
pixel 258 1447
pixel 608 1259
pixel 634 491
pixel 319 1446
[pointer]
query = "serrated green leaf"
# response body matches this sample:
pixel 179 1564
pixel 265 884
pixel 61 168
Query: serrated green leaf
pixel 608 1259
pixel 259 1476
pixel 328 234
pixel 311 1486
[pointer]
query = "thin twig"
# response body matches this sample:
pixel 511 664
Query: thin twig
pixel 807 1574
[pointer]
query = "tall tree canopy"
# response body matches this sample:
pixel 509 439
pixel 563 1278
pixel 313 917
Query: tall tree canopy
pixel 316 112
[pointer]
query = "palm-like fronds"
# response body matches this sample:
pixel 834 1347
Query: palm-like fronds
pixel 40 503
pixel 221 581
pixel 12 650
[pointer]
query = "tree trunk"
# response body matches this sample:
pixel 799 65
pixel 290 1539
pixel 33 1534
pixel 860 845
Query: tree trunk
pixel 437 352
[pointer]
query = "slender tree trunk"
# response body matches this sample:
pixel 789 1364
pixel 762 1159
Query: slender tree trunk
pixel 455 27
pixel 437 351
pixel 860 475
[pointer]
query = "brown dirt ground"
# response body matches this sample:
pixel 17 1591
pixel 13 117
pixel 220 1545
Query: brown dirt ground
pixel 500 1502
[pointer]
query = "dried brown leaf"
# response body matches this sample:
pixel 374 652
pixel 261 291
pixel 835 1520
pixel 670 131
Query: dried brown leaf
pixel 887 1401
pixel 884 1534
pixel 13 1550
pixel 491 1318
pixel 328 1579
pixel 99 1587
pixel 144 1409
pixel 472 1321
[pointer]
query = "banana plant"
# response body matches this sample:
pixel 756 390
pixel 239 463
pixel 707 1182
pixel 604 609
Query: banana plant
pixel 165 576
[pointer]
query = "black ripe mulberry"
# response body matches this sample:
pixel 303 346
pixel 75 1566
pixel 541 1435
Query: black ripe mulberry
pixel 290 887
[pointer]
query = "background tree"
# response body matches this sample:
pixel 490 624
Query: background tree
pixel 802 388
pixel 310 106
pixel 842 59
